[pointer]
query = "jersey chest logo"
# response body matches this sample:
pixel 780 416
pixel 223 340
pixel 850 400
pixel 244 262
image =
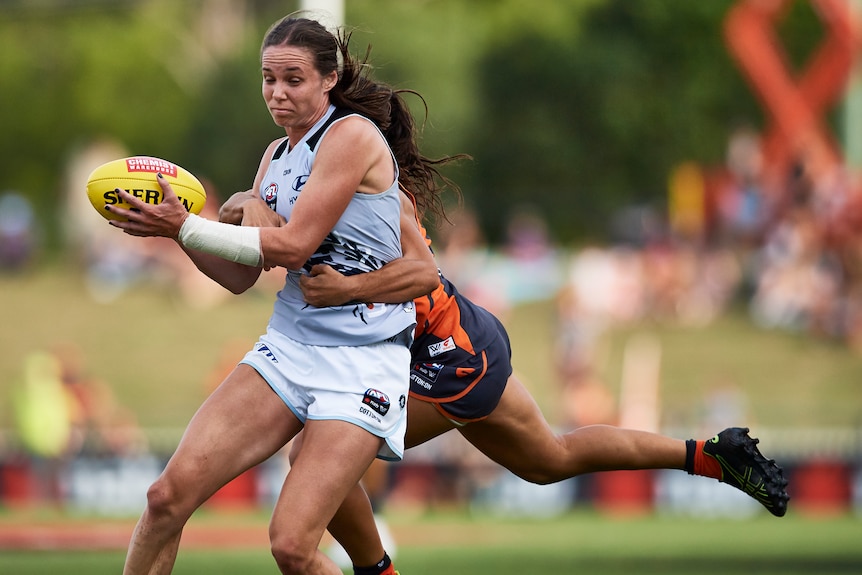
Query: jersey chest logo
pixel 299 182
pixel 270 195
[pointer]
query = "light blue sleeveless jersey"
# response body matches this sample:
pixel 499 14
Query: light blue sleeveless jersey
pixel 366 237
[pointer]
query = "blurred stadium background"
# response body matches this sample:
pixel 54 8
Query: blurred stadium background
pixel 664 209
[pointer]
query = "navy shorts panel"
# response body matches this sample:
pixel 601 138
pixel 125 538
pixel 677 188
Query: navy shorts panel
pixel 465 386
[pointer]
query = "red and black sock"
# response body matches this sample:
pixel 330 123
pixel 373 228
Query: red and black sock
pixel 699 463
pixel 382 567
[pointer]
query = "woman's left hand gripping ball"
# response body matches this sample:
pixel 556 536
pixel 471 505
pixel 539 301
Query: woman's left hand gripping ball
pixel 142 219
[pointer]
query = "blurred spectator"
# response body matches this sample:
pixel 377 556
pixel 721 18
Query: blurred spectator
pixel 586 399
pixel 798 279
pixel 527 236
pixel 686 208
pixel 101 425
pixel 111 261
pixel 466 259
pixel 581 323
pixel 687 283
pixel 43 413
pixel 18 234
pixel 532 260
pixel 636 226
pixel 609 284
pixel 61 414
pixel 744 207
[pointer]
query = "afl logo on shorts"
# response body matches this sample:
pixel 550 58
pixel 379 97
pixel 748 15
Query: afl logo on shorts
pixel 376 401
pixel 429 371
pixel 270 195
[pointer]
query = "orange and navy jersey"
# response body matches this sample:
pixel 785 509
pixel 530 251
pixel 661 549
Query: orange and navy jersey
pixel 461 356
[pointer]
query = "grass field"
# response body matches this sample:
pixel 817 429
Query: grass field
pixel 580 542
pixel 157 353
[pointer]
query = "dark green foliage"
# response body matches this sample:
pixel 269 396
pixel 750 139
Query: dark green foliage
pixel 576 108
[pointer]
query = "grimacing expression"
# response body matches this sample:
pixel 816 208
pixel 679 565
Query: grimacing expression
pixel 294 91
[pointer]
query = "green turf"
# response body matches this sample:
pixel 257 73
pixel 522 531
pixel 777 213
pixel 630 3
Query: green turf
pixel 157 353
pixel 581 542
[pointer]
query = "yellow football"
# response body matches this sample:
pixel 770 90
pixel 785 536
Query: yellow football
pixel 137 175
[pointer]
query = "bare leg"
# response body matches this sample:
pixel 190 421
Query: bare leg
pixel 332 459
pixel 240 425
pixel 353 524
pixel 354 528
pixel 517 436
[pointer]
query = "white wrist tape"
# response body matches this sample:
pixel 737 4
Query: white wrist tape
pixel 234 243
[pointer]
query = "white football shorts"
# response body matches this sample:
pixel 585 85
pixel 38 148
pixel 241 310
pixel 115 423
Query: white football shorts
pixel 364 385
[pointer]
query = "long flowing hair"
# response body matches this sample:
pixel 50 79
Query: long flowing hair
pixel 379 102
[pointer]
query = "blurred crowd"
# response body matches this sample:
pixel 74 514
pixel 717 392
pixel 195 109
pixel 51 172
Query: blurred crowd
pixel 785 250
pixel 797 241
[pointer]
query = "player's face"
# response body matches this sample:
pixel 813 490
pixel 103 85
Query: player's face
pixel 294 91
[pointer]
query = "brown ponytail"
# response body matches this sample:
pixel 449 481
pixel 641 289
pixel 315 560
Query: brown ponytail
pixel 378 102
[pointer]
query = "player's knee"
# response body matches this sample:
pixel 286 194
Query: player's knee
pixel 539 477
pixel 289 555
pixel 159 497
pixel 540 474
pixel 164 500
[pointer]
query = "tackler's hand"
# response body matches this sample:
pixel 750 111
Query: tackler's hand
pixel 232 210
pixel 257 214
pixel 325 287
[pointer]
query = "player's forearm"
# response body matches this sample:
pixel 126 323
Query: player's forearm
pixel 396 282
pixel 236 278
pixel 399 281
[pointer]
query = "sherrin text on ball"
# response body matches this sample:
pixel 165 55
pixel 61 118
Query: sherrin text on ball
pixel 137 176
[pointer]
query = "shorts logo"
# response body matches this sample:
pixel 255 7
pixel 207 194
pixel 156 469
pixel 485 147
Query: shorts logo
pixel 464 371
pixel 376 401
pixel 261 348
pixel 428 371
pixel 447 344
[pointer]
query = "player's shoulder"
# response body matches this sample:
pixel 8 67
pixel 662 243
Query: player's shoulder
pixel 353 138
pixel 352 125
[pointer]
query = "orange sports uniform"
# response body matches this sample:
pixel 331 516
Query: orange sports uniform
pixel 461 355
